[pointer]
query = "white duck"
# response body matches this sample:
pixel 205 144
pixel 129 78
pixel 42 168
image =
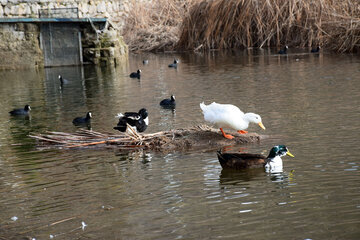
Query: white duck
pixel 229 116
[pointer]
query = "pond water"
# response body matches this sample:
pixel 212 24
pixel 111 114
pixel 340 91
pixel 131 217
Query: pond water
pixel 310 102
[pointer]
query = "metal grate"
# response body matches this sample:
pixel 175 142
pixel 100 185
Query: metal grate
pixel 59 13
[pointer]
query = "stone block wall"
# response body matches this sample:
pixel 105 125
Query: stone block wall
pixel 115 10
pixel 20 46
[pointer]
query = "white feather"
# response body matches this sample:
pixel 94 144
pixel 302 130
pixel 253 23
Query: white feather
pixel 146 120
pixel 119 115
pixel 134 117
pixel 275 165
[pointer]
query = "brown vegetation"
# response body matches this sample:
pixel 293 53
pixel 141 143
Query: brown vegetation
pixel 252 23
pixel 218 24
pixel 154 25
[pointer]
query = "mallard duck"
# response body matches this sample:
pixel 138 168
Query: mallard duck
pixel 230 116
pixel 272 162
pixel 168 103
pixel 174 64
pixel 82 120
pixel 21 111
pixel 135 74
pixel 284 50
pixel 316 50
pixel 139 120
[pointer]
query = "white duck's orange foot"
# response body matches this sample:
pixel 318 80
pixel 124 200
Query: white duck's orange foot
pixel 242 132
pixel 228 136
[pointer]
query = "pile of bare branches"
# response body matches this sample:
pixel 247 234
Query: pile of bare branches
pixel 154 25
pixel 251 23
pixel 128 140
pixel 85 138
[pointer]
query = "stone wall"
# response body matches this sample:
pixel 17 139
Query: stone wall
pixel 20 46
pixel 115 10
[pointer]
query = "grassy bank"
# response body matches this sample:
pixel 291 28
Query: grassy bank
pixel 217 24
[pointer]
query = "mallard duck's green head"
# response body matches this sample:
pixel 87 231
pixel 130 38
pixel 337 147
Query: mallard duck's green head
pixel 279 150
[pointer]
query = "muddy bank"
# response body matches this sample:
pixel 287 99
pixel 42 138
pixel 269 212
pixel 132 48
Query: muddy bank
pixel 197 137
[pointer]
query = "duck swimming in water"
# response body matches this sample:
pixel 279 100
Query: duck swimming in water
pixel 271 163
pixel 284 50
pixel 135 74
pixel 82 120
pixel 21 111
pixel 138 120
pixel 174 64
pixel 316 50
pixel 229 116
pixel 168 103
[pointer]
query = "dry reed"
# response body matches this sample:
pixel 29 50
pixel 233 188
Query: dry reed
pixel 253 23
pixel 129 139
pixel 154 25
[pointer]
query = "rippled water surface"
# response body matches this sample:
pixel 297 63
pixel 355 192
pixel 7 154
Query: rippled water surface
pixel 311 103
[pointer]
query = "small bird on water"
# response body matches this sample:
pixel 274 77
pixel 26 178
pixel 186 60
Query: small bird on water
pixel 82 120
pixel 135 74
pixel 174 64
pixel 21 111
pixel 168 103
pixel 316 50
pixel 284 50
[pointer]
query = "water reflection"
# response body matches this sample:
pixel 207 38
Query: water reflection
pixel 235 177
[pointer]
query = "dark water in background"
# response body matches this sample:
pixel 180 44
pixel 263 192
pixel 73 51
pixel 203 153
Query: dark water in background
pixel 308 102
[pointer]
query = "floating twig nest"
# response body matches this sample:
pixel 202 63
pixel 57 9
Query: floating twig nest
pixel 201 136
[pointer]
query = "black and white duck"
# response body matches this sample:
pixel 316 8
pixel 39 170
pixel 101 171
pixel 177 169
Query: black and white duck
pixel 174 64
pixel 168 103
pixel 316 50
pixel 82 120
pixel 135 74
pixel 284 50
pixel 138 120
pixel 21 111
pixel 271 163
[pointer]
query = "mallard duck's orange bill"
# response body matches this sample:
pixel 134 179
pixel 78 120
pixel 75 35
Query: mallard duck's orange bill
pixel 261 125
pixel 288 153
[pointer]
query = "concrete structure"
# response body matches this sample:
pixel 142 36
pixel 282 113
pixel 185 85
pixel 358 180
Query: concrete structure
pixel 114 10
pixel 68 32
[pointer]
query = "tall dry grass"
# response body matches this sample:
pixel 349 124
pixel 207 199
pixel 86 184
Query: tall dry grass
pixel 155 25
pixel 215 24
pixel 257 23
